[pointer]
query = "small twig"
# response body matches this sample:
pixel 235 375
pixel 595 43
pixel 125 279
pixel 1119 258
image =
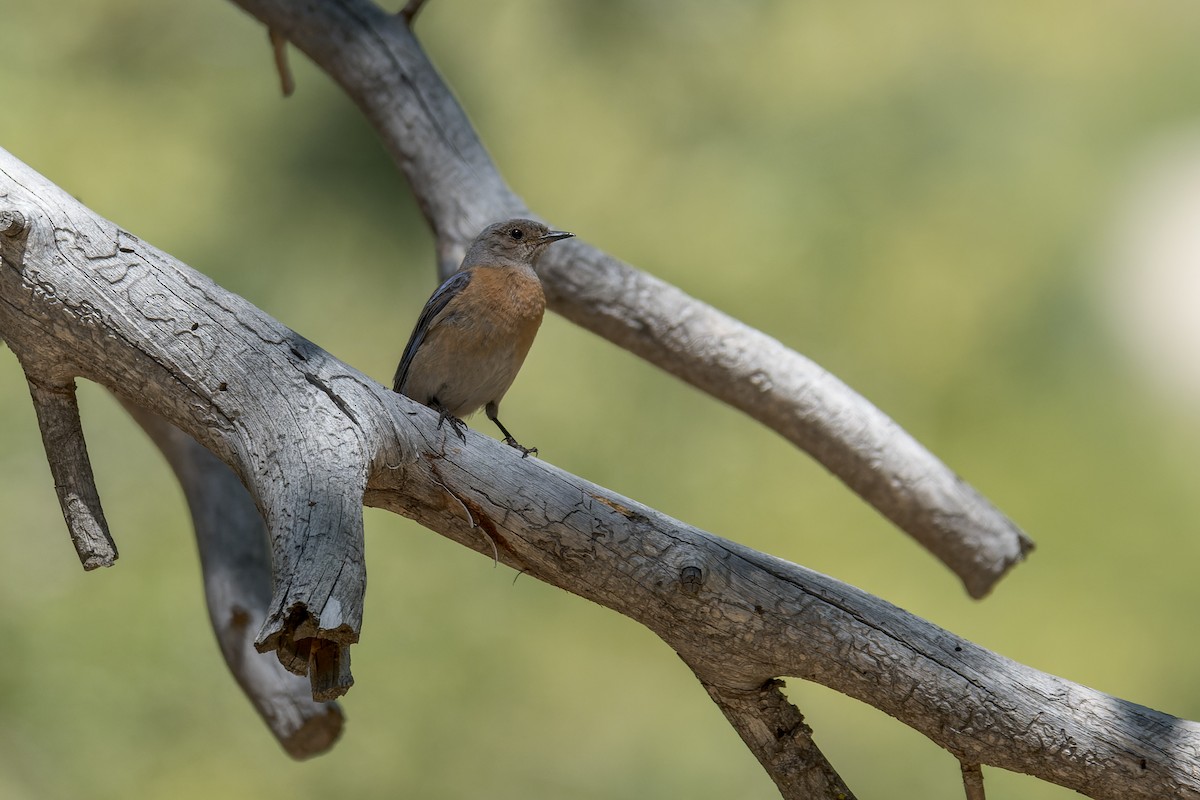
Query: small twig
pixel 776 733
pixel 62 434
pixel 377 60
pixel 279 47
pixel 410 10
pixel 972 775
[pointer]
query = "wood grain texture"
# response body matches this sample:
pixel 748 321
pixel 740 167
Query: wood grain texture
pixel 374 56
pixel 312 439
pixel 85 298
pixel 235 559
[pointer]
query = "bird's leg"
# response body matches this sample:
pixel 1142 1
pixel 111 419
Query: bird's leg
pixel 457 424
pixel 492 410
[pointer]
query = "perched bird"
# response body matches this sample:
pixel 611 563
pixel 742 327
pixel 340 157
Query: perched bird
pixel 475 331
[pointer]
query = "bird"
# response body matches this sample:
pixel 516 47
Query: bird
pixel 473 334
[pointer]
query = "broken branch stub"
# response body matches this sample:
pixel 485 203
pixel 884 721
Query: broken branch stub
pixel 83 298
pixel 235 560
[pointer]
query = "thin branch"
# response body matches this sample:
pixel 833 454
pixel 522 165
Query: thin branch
pixel 312 439
pixel 410 10
pixel 287 83
pixel 236 562
pixel 376 59
pixel 972 775
pixel 52 389
pixel 776 733
pixel 62 434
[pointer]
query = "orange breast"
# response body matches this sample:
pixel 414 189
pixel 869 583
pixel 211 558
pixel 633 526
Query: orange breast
pixel 471 356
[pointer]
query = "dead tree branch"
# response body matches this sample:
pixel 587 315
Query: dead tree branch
pixel 58 417
pixel 312 439
pixel 235 559
pixel 776 733
pixel 374 56
pixel 83 298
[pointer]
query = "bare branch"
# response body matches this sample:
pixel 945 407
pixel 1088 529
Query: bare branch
pixel 66 450
pixel 776 733
pixel 410 10
pixel 85 298
pixel 307 434
pixel 287 83
pixel 376 59
pixel 236 561
pixel 972 775
pixel 740 618
pixel 52 389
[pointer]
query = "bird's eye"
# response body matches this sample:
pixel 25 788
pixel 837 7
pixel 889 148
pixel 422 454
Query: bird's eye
pixel 517 234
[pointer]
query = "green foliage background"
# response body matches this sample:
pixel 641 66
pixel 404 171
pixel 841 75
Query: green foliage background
pixel 914 194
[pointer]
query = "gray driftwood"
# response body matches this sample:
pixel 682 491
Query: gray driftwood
pixel 312 439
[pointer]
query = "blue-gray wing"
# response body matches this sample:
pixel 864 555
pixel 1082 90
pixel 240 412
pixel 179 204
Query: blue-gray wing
pixel 444 294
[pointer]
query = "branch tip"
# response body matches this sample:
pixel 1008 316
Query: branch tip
pixel 316 735
pixel 287 83
pixel 62 435
pixel 410 10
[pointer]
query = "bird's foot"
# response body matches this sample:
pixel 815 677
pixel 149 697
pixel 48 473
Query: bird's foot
pixel 525 451
pixel 457 424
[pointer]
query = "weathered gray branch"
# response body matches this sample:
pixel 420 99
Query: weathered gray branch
pixel 776 733
pixel 58 417
pixel 739 618
pixel 235 558
pixel 83 298
pixel 375 58
pixel 307 434
pixel 52 390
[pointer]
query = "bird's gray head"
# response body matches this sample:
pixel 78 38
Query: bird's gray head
pixel 515 242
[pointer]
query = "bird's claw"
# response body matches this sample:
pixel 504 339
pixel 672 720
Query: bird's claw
pixel 525 451
pixel 457 424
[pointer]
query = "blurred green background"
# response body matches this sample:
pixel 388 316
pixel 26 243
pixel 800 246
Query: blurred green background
pixel 932 199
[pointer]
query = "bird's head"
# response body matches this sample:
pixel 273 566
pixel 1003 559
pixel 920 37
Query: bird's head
pixel 514 241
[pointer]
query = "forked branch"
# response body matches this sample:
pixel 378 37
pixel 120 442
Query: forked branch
pixel 307 434
pixel 374 56
pixel 80 297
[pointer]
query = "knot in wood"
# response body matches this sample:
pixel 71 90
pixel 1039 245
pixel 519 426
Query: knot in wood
pixel 12 222
pixel 691 578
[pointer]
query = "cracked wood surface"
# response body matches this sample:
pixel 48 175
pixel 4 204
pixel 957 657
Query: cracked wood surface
pixel 81 294
pixel 235 560
pixel 374 56
pixel 740 618
pixel 93 301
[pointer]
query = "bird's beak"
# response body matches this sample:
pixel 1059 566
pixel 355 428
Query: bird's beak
pixel 554 236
